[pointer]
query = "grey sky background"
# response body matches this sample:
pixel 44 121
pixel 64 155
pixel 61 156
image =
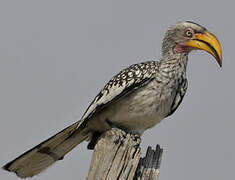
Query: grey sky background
pixel 56 55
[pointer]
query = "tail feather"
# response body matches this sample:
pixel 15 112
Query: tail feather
pixel 48 152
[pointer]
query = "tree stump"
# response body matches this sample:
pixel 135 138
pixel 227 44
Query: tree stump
pixel 117 157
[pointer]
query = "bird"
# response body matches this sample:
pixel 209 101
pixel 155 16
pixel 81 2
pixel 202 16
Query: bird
pixel 134 100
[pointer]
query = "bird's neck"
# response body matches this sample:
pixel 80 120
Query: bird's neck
pixel 174 53
pixel 175 64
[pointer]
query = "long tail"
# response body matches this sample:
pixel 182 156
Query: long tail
pixel 48 152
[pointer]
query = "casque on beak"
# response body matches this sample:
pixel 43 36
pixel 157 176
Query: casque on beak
pixel 208 42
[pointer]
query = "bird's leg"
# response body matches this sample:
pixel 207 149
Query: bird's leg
pixel 93 141
pixel 135 135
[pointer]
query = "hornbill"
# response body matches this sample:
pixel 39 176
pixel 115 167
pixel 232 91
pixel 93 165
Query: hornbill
pixel 136 99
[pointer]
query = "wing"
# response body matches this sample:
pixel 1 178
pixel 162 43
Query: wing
pixel 179 95
pixel 128 80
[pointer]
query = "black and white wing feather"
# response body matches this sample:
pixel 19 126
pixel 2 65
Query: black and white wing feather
pixel 129 79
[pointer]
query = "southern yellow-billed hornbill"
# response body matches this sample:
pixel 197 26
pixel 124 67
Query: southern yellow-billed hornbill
pixel 134 100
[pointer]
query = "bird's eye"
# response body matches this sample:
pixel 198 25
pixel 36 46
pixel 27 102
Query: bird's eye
pixel 189 33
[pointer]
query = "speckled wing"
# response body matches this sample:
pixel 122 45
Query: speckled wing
pixel 179 95
pixel 129 79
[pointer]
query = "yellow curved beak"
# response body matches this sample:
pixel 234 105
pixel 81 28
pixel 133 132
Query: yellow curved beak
pixel 208 42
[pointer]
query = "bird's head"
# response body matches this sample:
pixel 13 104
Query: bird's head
pixel 187 36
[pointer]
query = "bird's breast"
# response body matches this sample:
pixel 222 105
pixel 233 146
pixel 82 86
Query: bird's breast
pixel 139 110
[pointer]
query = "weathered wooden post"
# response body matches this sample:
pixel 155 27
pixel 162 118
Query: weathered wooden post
pixel 117 157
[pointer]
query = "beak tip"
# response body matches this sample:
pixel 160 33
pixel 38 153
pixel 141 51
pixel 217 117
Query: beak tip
pixel 220 63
